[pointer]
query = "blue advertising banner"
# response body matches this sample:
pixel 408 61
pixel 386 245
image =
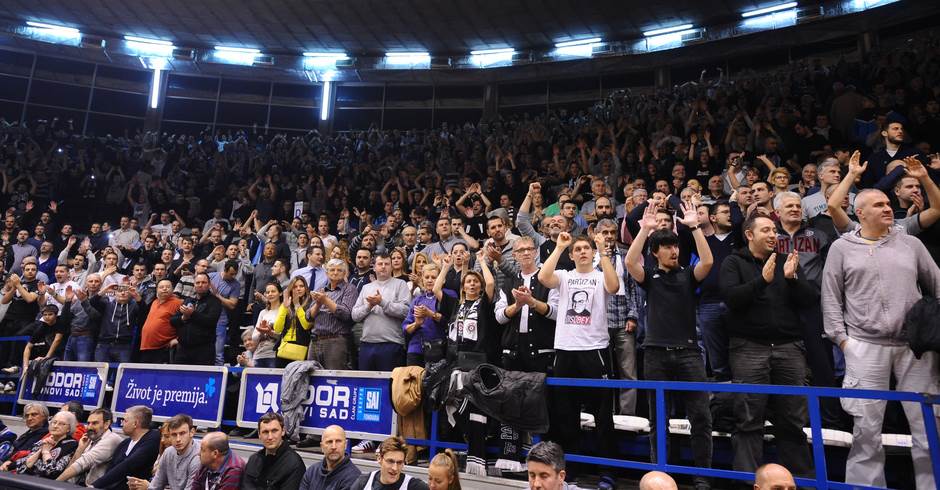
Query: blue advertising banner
pixel 82 381
pixel 198 391
pixel 360 402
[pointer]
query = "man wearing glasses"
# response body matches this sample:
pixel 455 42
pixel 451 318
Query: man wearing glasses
pixel 36 417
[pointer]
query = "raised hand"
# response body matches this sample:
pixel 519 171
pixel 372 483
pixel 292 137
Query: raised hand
pixel 648 221
pixel 856 168
pixel 600 242
pixel 445 260
pixel 535 188
pixel 564 239
pixel 769 266
pixel 792 263
pixel 914 168
pixel 689 215
pixel 916 206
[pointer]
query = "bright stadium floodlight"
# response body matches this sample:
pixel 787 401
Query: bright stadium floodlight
pixel 155 88
pixel 667 30
pixel 768 10
pixel 149 46
pixel 314 59
pixel 241 56
pixel 325 100
pixel 486 57
pixel 578 47
pixel 407 58
pixel 54 29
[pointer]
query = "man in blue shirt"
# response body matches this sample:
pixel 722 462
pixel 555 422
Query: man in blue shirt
pixel 225 287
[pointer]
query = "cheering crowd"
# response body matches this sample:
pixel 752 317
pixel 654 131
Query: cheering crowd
pixel 773 228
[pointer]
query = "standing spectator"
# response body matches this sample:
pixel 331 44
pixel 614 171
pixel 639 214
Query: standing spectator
pixel 276 465
pixel 158 336
pixel 179 462
pixel 313 272
pixel 262 335
pixel 332 317
pixel 764 297
pixel 712 310
pixel 335 470
pixel 381 306
pixel 292 324
pixel 20 250
pixel 134 456
pixel 423 327
pixel 195 325
pixel 220 467
pixel 445 239
pixel 119 324
pixel 894 149
pixel 225 288
pixel 581 337
pixel 671 351
pixel 879 264
pixel 363 274
pixel 90 460
pixel 125 237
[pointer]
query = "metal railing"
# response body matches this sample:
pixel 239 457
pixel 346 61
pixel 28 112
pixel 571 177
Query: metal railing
pixel 660 388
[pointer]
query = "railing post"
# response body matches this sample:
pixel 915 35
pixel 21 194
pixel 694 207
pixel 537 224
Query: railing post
pixel 662 428
pixel 432 449
pixel 819 449
pixel 930 427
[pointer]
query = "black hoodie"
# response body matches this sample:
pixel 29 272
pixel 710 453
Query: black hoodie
pixel 762 312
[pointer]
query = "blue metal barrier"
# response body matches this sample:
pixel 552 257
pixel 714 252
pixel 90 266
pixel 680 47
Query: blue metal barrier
pixel 11 398
pixel 661 387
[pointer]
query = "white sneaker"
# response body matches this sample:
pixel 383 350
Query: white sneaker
pixel 11 369
pixel 9 388
pixel 364 447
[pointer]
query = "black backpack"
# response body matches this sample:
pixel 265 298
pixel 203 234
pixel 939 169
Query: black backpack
pixel 922 326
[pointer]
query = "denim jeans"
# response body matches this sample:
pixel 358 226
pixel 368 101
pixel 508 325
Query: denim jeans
pixel 711 319
pixel 661 364
pixel 113 352
pixel 80 348
pixel 623 344
pixel 221 331
pixel 774 364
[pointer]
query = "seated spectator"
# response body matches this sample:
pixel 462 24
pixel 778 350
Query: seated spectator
pixel 773 477
pixel 443 471
pixel 94 451
pixel 49 457
pixel 390 474
pixel 335 471
pixel 36 417
pixel 276 465
pixel 657 480
pixel 220 468
pixel 179 463
pixel 546 467
pixel 76 408
pixel 134 456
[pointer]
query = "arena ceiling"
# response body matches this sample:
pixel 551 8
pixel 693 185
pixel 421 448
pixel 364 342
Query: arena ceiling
pixel 366 27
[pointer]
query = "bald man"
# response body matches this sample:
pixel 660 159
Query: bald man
pixel 220 467
pixel 771 477
pixel 657 480
pixel 335 471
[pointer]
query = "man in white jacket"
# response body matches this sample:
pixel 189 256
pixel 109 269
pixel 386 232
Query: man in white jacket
pixel 871 279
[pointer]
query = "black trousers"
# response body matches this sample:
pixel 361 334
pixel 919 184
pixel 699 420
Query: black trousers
pixel 197 355
pixel 566 413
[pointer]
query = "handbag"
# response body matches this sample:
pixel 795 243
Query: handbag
pixel 291 351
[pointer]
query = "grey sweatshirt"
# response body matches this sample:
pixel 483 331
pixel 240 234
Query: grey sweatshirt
pixel 868 287
pixel 382 322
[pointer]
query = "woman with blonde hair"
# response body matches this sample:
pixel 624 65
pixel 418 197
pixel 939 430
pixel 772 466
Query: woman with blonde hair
pixel 414 278
pixel 442 472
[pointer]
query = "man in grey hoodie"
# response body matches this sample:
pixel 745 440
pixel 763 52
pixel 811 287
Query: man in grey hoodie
pixel 871 279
